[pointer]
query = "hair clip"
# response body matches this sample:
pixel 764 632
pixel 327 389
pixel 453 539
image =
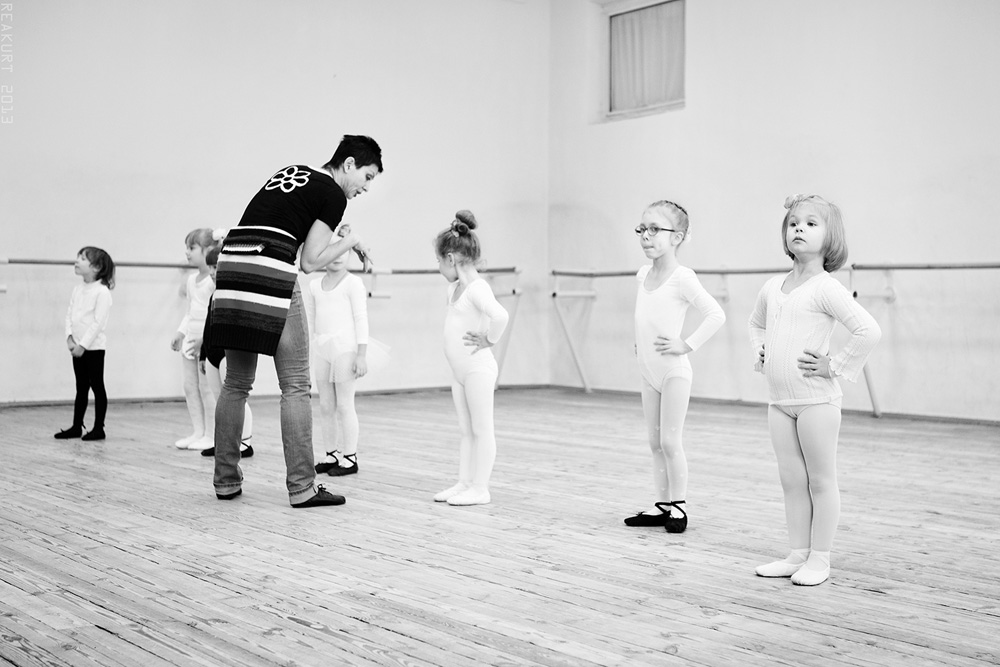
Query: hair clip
pixel 455 233
pixel 218 234
pixel 792 200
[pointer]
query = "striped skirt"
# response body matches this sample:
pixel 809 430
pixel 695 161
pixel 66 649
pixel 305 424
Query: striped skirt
pixel 253 289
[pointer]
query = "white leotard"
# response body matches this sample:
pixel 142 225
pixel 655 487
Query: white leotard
pixel 788 324
pixel 199 293
pixel 661 312
pixel 476 309
pixel 340 316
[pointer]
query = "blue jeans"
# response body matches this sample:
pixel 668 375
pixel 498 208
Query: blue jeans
pixel 291 362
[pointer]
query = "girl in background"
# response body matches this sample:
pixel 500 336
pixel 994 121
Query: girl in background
pixel 475 320
pixel 86 319
pixel 666 291
pixel 215 368
pixel 790 331
pixel 188 339
pixel 337 311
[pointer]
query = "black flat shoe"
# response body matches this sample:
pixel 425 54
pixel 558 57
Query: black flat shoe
pixel 71 432
pixel 676 524
pixel 322 498
pixel 342 470
pixel 326 467
pixel 244 453
pixel 96 434
pixel 643 520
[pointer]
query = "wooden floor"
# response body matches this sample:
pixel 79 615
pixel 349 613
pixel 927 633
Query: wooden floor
pixel 117 553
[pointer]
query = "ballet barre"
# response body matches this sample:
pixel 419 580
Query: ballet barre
pixel 374 273
pixel 589 293
pixel 723 297
pixel 489 273
pixel 890 290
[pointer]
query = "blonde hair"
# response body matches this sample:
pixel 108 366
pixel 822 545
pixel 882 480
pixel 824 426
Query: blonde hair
pixel 203 237
pixel 835 241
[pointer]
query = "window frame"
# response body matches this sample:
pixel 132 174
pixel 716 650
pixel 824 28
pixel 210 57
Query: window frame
pixel 610 9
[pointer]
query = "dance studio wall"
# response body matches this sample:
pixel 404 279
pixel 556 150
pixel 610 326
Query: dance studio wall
pixel 135 122
pixel 886 107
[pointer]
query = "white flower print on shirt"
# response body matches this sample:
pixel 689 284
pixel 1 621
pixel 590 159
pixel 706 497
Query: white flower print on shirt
pixel 288 179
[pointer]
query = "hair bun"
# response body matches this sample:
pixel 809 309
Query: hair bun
pixel 467 218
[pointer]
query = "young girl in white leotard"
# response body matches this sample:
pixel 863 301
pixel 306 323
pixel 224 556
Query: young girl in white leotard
pixel 790 331
pixel 666 291
pixel 198 289
pixel 474 323
pixel 337 310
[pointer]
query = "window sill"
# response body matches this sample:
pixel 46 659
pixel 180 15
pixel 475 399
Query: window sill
pixel 644 111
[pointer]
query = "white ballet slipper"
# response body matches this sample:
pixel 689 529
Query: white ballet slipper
pixel 448 493
pixel 471 496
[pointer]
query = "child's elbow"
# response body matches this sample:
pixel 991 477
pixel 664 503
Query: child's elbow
pixel 876 333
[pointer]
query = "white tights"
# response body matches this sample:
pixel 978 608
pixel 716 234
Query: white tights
pixel 806 450
pixel 200 400
pixel 665 412
pixel 338 417
pixel 478 447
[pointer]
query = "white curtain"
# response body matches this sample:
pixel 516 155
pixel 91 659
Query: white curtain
pixel 647 56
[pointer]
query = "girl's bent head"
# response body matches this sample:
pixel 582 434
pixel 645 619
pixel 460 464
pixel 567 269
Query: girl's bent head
pixel 834 242
pixel 104 266
pixel 459 240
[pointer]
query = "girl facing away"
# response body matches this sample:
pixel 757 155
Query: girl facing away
pixel 198 288
pixel 790 330
pixel 337 311
pixel 86 319
pixel 474 323
pixel 666 291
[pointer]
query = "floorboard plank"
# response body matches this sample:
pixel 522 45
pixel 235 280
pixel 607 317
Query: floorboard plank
pixel 117 552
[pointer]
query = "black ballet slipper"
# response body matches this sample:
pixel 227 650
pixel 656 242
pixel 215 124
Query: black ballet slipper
pixel 676 524
pixel 71 432
pixel 644 520
pixel 342 470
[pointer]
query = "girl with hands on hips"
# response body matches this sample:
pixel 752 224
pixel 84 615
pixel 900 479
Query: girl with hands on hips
pixel 665 292
pixel 475 319
pixel 790 330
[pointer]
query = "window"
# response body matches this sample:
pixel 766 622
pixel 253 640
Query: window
pixel 646 54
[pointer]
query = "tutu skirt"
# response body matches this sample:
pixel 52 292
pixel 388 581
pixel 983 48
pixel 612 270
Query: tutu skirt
pixel 341 357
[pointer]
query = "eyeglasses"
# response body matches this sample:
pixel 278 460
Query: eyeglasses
pixel 652 229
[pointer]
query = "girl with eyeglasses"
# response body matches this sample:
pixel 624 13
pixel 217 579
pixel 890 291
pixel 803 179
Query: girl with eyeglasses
pixel 790 330
pixel 665 292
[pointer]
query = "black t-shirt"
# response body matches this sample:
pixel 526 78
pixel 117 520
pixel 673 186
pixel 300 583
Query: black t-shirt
pixel 293 199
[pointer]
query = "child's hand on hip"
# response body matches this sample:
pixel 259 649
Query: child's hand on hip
pixel 668 345
pixel 477 339
pixel 814 364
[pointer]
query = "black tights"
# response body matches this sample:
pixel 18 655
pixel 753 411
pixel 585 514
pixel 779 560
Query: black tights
pixel 89 371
